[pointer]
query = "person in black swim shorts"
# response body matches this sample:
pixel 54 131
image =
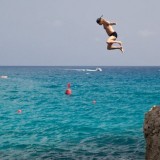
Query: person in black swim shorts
pixel 111 33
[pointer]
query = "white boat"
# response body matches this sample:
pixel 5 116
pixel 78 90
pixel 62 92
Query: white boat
pixel 87 70
pixel 99 69
pixel 94 70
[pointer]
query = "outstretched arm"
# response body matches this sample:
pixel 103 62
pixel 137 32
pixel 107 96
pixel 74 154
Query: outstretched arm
pixel 108 23
pixel 112 23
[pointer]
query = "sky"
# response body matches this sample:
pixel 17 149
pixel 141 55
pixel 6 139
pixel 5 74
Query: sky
pixel 65 32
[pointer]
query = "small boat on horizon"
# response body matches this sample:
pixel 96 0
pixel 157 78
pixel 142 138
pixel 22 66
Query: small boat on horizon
pixel 94 70
pixel 98 69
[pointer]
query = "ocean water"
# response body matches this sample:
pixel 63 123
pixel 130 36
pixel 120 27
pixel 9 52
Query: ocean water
pixel 101 120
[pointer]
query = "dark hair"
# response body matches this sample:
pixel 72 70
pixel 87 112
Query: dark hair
pixel 98 20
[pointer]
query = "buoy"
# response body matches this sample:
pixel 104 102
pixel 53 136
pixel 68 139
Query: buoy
pixel 68 90
pixel 94 101
pixel 19 111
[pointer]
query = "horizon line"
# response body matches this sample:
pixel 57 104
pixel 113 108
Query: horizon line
pixel 79 66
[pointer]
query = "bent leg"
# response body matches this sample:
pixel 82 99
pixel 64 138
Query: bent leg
pixel 111 47
pixel 112 40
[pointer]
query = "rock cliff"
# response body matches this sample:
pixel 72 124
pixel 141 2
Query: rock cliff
pixel 152 133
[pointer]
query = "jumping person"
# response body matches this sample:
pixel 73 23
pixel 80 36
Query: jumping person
pixel 111 33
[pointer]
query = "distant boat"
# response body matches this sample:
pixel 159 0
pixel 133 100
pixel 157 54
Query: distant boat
pixel 87 70
pixel 99 69
pixel 94 70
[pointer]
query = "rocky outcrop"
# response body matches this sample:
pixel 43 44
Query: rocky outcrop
pixel 152 133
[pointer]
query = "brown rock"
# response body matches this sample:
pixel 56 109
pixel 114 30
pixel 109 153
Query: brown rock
pixel 151 130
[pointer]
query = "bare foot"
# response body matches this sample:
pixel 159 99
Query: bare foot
pixel 122 50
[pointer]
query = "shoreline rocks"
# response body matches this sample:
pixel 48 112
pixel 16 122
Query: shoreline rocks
pixel 151 130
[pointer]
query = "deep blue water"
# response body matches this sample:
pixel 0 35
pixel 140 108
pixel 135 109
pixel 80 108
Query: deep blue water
pixel 53 125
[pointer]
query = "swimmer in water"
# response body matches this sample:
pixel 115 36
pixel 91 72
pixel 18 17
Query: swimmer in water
pixel 111 33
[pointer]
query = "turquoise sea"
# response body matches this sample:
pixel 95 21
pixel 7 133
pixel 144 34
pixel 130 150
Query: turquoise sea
pixel 101 120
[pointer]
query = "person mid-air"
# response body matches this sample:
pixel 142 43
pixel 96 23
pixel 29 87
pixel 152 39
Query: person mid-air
pixel 111 33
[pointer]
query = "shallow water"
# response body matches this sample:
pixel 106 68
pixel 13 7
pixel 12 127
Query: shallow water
pixel 53 125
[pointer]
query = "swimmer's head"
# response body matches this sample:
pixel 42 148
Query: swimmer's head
pixel 99 20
